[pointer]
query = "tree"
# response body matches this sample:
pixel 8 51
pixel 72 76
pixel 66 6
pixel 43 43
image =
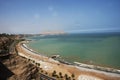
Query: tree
pixel 69 78
pixel 38 64
pixel 54 73
pixel 66 76
pixel 41 70
pixel 33 61
pixel 28 59
pixel 73 76
pixel 60 74
pixel 46 73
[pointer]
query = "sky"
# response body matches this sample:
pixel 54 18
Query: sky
pixel 37 16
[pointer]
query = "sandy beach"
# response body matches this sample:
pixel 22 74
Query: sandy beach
pixel 49 65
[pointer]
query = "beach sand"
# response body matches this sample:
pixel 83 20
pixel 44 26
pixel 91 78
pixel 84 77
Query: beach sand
pixel 49 65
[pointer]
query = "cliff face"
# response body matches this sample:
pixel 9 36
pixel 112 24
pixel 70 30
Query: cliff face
pixel 12 66
pixel 21 68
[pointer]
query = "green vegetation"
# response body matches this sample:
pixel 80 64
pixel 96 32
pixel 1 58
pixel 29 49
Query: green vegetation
pixel 73 76
pixel 54 74
pixel 60 74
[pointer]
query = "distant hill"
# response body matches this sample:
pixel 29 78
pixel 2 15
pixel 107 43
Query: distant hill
pixel 53 33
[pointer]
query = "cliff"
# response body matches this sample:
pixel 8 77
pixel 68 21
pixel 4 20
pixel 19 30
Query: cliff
pixel 12 66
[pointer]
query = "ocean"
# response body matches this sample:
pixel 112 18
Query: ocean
pixel 101 49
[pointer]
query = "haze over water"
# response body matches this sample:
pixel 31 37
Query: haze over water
pixel 99 49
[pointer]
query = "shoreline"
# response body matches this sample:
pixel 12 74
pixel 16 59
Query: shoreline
pixel 79 64
pixel 80 67
pixel 88 63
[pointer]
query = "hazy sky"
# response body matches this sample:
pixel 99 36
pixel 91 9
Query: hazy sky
pixel 36 16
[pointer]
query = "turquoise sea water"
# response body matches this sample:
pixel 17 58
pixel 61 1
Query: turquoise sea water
pixel 100 49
